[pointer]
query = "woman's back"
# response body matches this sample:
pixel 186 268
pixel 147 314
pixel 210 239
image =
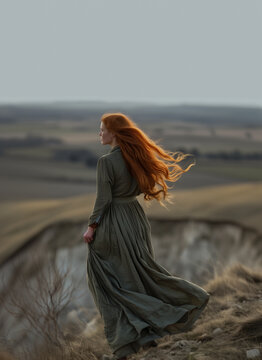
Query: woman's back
pixel 124 184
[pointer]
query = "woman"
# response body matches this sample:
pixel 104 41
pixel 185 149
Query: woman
pixel 138 299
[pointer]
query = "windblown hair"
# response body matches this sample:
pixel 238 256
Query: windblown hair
pixel 148 162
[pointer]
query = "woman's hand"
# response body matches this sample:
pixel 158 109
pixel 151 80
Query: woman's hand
pixel 88 235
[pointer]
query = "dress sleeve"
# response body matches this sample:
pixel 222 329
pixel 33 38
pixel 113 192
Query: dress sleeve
pixel 104 183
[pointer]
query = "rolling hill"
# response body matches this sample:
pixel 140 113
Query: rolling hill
pixel 240 203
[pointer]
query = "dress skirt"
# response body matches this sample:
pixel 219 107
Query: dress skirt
pixel 137 298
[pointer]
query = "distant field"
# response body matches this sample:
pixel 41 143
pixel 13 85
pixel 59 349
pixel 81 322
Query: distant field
pixel 243 170
pixel 173 133
pixel 238 202
pixel 35 176
pixel 30 172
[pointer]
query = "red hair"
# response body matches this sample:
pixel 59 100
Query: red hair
pixel 144 158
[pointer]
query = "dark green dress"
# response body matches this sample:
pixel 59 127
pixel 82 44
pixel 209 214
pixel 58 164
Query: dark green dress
pixel 138 299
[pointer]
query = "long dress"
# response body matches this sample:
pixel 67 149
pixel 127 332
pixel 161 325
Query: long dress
pixel 137 298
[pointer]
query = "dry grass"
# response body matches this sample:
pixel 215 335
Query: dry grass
pixel 235 307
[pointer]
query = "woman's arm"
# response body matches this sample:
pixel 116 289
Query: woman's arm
pixel 104 183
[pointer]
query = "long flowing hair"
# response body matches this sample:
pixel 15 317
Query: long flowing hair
pixel 148 162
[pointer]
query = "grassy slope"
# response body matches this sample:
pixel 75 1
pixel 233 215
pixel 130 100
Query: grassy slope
pixel 239 202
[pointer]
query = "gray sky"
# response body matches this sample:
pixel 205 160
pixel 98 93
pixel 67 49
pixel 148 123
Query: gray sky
pixel 171 51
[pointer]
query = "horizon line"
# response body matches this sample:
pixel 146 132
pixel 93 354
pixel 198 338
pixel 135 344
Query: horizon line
pixel 134 102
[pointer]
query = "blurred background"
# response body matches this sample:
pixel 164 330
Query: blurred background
pixel 188 73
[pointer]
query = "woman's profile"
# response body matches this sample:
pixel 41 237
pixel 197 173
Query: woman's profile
pixel 138 299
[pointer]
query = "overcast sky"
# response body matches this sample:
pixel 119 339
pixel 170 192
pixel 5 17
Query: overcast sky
pixel 170 51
